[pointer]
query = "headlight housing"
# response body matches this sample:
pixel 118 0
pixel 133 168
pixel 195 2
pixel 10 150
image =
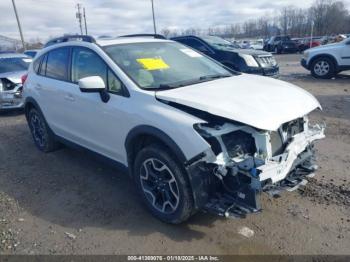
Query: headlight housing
pixel 250 60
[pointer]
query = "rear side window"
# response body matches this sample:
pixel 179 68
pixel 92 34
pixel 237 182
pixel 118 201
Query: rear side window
pixel 42 69
pixel 87 63
pixel 57 64
pixel 36 64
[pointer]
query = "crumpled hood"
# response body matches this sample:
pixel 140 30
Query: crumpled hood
pixel 257 101
pixel 14 77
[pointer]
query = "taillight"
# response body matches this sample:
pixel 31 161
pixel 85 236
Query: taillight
pixel 24 78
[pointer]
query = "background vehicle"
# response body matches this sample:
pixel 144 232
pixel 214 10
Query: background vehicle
pixel 281 44
pixel 32 53
pixel 242 60
pixel 306 43
pixel 257 44
pixel 12 68
pixel 328 60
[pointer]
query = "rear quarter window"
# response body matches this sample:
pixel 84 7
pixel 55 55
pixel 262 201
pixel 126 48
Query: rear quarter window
pixel 57 64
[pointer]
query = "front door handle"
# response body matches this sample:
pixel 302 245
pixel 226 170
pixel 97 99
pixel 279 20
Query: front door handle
pixel 69 97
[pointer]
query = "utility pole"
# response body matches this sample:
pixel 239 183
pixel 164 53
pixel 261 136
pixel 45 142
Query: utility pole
pixel 85 21
pixel 19 25
pixel 312 33
pixel 154 20
pixel 78 16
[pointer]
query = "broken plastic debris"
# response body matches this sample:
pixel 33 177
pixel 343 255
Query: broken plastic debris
pixel 70 235
pixel 246 232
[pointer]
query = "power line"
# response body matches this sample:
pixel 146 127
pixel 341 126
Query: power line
pixel 19 24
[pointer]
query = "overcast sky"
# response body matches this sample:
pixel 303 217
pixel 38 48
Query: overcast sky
pixel 46 18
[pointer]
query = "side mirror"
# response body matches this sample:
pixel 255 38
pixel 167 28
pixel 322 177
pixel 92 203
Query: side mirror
pixel 94 84
pixel 91 84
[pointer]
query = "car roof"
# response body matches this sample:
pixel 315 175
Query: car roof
pixel 185 36
pixel 128 40
pixel 32 50
pixel 12 55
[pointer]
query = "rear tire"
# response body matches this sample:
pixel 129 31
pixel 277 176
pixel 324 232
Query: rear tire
pixel 43 137
pixel 163 184
pixel 323 67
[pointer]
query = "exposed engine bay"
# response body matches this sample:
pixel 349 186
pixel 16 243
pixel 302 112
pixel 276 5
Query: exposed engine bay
pixel 244 161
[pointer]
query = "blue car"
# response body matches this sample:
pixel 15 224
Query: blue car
pixel 242 60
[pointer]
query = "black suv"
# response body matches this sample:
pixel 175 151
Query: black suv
pixel 281 44
pixel 243 60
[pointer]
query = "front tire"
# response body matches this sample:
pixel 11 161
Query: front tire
pixel 43 137
pixel 277 50
pixel 323 68
pixel 163 184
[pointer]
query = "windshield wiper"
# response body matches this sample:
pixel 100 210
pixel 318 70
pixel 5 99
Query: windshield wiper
pixel 189 82
pixel 208 77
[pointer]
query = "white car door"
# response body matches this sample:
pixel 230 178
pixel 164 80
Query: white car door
pixel 51 84
pixel 92 123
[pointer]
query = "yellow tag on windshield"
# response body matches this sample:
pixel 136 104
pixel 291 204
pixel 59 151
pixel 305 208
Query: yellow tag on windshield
pixel 152 63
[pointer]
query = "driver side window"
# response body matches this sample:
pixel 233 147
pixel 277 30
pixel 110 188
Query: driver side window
pixel 87 63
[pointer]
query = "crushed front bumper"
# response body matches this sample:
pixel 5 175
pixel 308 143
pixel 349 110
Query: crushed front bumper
pixel 279 166
pixel 237 193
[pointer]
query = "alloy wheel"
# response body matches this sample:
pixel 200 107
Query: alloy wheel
pixel 159 186
pixel 322 68
pixel 38 130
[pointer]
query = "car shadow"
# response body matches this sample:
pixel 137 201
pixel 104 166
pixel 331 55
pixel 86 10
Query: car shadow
pixel 74 189
pixel 11 112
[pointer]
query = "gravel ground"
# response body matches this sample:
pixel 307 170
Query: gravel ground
pixel 68 202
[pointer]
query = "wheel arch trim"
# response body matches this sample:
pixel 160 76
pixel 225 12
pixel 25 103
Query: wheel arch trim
pixel 313 59
pixel 147 130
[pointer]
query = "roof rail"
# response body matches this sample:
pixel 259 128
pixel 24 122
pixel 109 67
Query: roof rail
pixel 156 36
pixel 68 38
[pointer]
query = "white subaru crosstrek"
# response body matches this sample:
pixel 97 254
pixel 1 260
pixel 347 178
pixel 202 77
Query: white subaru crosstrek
pixel 193 134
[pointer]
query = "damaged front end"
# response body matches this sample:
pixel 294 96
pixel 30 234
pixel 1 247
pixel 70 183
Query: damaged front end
pixel 10 94
pixel 243 162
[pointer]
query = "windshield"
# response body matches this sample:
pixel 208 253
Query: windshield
pixel 219 42
pixel 164 65
pixel 14 64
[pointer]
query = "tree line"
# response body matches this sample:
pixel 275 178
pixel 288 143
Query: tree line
pixel 324 17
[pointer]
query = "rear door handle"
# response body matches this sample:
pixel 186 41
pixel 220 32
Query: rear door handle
pixel 38 87
pixel 69 97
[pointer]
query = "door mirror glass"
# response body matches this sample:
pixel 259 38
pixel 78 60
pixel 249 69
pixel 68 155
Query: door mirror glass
pixel 91 84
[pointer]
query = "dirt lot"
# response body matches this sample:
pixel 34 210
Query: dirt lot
pixel 68 202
